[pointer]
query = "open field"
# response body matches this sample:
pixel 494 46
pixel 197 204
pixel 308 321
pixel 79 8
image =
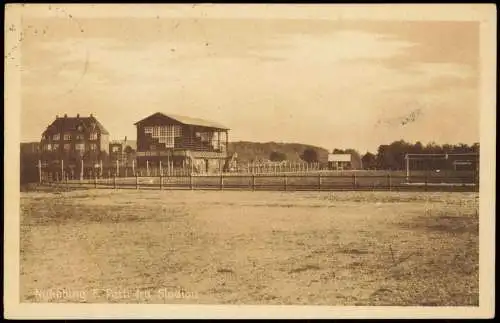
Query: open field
pixel 237 247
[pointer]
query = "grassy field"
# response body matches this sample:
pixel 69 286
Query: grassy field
pixel 316 248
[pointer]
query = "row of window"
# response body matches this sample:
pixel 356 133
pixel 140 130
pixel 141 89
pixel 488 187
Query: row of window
pixel 67 136
pixel 164 134
pixel 67 147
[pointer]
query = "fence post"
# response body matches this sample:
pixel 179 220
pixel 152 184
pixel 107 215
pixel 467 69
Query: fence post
pixel 161 180
pixel 285 181
pixel 136 181
pixel 389 180
pixel 114 182
pixel 191 181
pixel 426 183
pixel 95 180
pixel 81 170
pixel 253 182
pixel 221 181
pixel 354 180
pixel 319 181
pixel 39 171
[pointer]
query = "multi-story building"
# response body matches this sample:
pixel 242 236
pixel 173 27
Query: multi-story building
pixel 182 142
pixel 71 140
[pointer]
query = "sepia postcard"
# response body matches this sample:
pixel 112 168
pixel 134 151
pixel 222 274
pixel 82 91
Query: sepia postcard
pixel 249 160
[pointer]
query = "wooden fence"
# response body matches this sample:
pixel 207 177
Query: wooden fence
pixel 277 182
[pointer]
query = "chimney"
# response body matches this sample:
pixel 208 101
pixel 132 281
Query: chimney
pixel 91 115
pixel 78 115
pixel 57 116
pixel 65 115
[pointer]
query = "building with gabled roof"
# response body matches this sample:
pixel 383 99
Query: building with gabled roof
pixel 182 142
pixel 71 140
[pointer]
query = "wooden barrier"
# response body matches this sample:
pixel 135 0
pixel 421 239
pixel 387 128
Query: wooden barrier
pixel 283 182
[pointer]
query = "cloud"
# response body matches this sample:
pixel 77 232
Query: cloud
pixel 277 80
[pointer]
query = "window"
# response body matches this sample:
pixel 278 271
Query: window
pixel 115 149
pixel 67 136
pixel 47 147
pixel 156 132
pixel 67 147
pixel 164 134
pixel 93 147
pixel 80 147
pixel 215 140
pixel 163 131
pixel 93 136
pixel 55 147
pixel 152 147
pixel 205 137
pixel 79 137
pixel 177 131
pixel 56 136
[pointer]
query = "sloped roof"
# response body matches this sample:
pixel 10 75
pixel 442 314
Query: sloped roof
pixel 188 121
pixel 69 123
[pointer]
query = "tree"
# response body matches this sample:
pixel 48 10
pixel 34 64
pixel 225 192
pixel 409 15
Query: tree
pixel 475 147
pixel 128 150
pixel 277 156
pixel 369 161
pixel 28 167
pixel 309 155
pixel 356 162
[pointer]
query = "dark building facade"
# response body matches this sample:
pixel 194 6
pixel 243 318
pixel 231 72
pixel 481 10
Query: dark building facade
pixel 122 152
pixel 71 140
pixel 182 142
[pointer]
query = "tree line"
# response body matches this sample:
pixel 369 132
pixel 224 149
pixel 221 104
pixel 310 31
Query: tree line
pixel 388 156
pixel 392 156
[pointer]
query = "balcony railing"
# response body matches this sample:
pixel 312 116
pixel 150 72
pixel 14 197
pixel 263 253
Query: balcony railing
pixel 200 147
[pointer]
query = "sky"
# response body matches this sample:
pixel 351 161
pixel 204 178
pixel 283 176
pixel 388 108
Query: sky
pixel 331 83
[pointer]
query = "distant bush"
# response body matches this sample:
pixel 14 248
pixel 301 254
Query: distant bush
pixel 277 156
pixel 309 155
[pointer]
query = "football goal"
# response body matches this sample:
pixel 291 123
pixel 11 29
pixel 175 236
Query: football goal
pixel 443 169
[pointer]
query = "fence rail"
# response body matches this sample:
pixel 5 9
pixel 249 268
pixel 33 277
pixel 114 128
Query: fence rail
pixel 280 182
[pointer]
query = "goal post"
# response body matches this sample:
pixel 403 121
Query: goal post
pixel 441 167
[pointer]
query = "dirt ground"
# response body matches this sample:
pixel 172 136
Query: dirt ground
pixel 229 247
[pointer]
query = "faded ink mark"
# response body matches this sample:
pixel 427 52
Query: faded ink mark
pixel 412 117
pixel 84 72
pixel 12 29
pixel 70 16
pixel 401 121
pixel 80 28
